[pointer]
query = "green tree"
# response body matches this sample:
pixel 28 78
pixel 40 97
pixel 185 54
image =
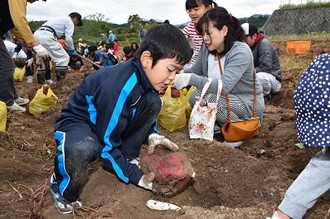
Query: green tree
pixel 97 17
pixel 93 25
pixel 135 21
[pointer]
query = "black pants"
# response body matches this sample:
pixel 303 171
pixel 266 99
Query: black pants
pixel 7 68
pixel 78 145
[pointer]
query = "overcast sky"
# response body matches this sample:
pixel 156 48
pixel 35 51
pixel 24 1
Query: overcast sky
pixel 118 11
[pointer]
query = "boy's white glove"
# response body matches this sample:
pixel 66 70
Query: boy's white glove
pixel 146 181
pixel 41 51
pixel 135 161
pixel 181 80
pixel 155 139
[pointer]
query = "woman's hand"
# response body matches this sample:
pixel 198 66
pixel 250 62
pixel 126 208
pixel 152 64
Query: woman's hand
pixel 181 80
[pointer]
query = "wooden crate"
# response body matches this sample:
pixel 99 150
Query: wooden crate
pixel 298 47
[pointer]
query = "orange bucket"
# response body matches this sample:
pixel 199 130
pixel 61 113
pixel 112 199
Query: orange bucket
pixel 298 47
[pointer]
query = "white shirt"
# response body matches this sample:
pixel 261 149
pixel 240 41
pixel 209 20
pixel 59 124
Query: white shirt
pixel 63 26
pixel 213 70
pixel 11 50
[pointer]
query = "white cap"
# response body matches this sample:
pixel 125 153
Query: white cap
pixel 245 27
pixel 249 29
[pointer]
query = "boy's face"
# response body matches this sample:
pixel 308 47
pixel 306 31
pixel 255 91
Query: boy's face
pixel 163 73
pixel 74 58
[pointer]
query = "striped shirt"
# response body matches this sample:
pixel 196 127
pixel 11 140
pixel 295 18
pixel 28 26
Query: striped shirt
pixel 191 33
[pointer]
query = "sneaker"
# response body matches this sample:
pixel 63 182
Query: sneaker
pixel 234 144
pixel 16 107
pixel 29 79
pixel 61 204
pixel 49 81
pixel 21 101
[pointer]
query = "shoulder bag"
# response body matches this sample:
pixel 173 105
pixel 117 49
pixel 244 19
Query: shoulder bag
pixel 240 130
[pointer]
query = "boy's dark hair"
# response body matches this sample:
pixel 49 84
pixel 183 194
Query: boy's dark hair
pixel 108 46
pixel 220 17
pixel 196 3
pixel 127 50
pixel 92 48
pixel 165 41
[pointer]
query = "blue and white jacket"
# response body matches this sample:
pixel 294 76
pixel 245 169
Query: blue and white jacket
pixel 106 101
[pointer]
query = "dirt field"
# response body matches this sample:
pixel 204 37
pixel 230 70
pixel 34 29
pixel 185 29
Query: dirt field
pixel 245 182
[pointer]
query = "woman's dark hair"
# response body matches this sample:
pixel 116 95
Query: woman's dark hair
pixel 165 41
pixel 220 17
pixel 136 45
pixel 196 3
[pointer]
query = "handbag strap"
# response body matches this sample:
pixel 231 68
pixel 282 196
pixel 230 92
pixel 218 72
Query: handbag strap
pixel 254 93
pixel 206 86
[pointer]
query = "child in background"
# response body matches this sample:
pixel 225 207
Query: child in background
pixel 81 46
pixel 99 57
pixel 312 105
pixel 113 112
pixel 127 53
pixel 116 48
pixel 30 69
pixel 76 63
pixel 195 10
pixel 103 47
pixel 134 47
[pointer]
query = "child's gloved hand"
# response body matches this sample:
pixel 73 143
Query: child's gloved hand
pixel 155 139
pixel 146 181
pixel 181 80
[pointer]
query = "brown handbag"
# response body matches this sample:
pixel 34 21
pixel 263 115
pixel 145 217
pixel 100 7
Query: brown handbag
pixel 240 130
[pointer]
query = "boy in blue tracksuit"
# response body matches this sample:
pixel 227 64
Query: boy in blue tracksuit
pixel 113 112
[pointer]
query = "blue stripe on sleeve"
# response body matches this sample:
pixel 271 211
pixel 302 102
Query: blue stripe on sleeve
pixel 156 125
pixel 60 136
pixel 128 87
pixel 91 109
